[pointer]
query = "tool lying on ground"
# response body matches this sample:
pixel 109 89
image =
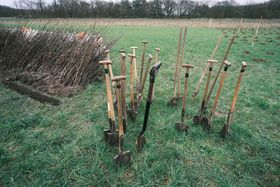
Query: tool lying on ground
pixel 141 139
pixel 182 126
pixel 206 66
pixel 179 60
pixel 124 157
pixel 144 80
pixel 132 111
pixel 110 135
pixel 207 123
pixel 225 129
pixel 197 118
pixel 123 90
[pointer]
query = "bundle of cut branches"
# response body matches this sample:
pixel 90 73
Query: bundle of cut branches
pixel 53 62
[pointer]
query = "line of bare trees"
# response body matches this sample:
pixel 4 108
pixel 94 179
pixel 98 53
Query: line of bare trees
pixel 142 9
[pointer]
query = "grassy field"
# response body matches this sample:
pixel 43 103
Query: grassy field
pixel 63 146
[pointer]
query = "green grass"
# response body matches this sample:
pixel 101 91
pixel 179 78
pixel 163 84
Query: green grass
pixel 63 146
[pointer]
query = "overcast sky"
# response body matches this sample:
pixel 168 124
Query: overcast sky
pixel 11 2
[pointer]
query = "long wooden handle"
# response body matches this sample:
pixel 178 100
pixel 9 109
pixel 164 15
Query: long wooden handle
pixel 207 65
pixel 177 63
pixel 146 73
pixel 244 65
pixel 185 89
pixel 188 67
pixel 142 62
pixel 109 92
pixel 181 62
pixel 132 84
pixel 219 71
pixel 123 84
pixel 257 30
pixel 134 63
pixel 216 101
pixel 239 25
pixel 207 84
pixel 157 52
pixel 120 111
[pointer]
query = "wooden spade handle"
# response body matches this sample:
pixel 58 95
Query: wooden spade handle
pixel 123 84
pixel 142 61
pixel 181 62
pixel 177 63
pixel 122 60
pixel 146 73
pixel 206 66
pixel 134 62
pixel 236 91
pixel 222 80
pixel 157 52
pixel 188 67
pixel 105 62
pixel 210 63
pixel 109 91
pixel 119 99
pixel 118 78
pixel 256 33
pixel 219 70
pixel 131 85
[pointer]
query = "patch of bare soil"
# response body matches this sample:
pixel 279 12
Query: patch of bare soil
pixel 259 60
pixel 247 52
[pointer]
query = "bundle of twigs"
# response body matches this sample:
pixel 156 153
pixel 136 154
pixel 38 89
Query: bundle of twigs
pixel 48 60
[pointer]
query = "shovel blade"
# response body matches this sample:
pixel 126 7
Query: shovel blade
pixel 182 127
pixel 173 101
pixel 140 143
pixel 196 119
pixel 132 114
pixel 123 158
pixel 206 123
pixel 225 131
pixel 111 138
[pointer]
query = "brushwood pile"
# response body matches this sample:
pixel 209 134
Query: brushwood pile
pixel 56 63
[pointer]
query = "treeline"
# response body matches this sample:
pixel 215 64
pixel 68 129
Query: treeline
pixel 141 9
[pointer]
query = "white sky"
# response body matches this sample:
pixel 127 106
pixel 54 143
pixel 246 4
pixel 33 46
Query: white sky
pixel 11 2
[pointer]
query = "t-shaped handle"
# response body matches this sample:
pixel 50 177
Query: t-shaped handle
pixel 118 78
pixel 227 64
pixel 187 66
pixel 244 65
pixel 212 61
pixel 105 62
